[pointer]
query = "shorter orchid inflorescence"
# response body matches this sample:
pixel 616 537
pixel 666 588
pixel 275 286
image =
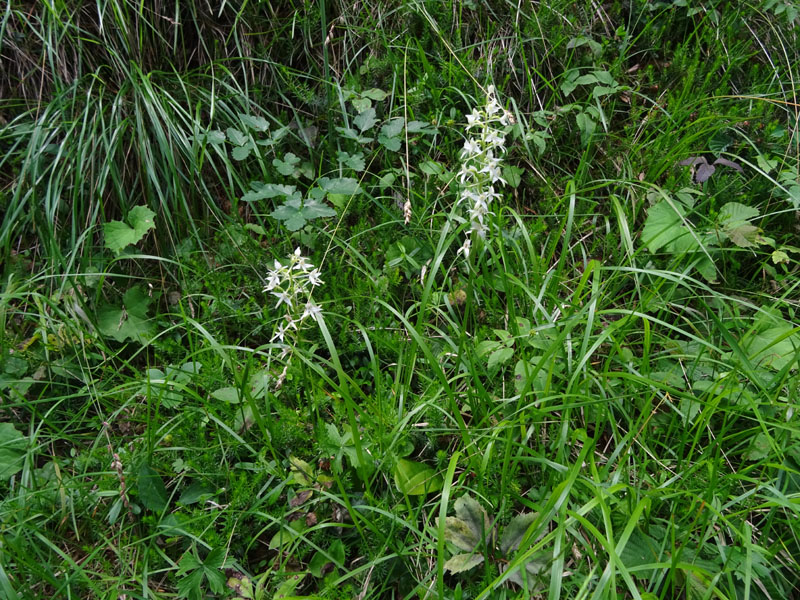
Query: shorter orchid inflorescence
pixel 293 284
pixel 481 166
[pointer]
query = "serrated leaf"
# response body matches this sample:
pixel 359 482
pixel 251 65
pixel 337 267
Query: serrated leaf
pixel 253 122
pixel 390 143
pixel 241 152
pixel 341 185
pixel 416 479
pixel 365 120
pixel 515 531
pixel 393 127
pixel 150 486
pixel 236 137
pixel 12 450
pixel 463 562
pixel 295 214
pixel 288 165
pixel 535 569
pixel 361 104
pixel 459 533
pixel 216 137
pixel 473 514
pixel 269 190
pixel 354 161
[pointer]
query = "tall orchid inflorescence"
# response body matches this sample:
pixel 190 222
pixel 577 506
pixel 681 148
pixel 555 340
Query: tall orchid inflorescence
pixel 293 284
pixel 481 164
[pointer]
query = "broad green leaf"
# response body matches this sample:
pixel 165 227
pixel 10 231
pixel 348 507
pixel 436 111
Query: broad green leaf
pixel 515 531
pixel 663 224
pixel 431 167
pixel 353 135
pixel 779 256
pixel 365 120
pixel 390 143
pixel 253 122
pixel 236 137
pixel 302 472
pixel 227 394
pixel 119 235
pixel 415 479
pixel 129 321
pixel 463 562
pixel 473 514
pixel 458 532
pixel 393 127
pixel 340 185
pixel 589 79
pixel 375 94
pixel 486 347
pixel 759 448
pixel 354 161
pixel 361 104
pixel 640 550
pixel 421 127
pixel 241 152
pixel 287 166
pixel 512 175
pixel 295 214
pixel 12 450
pixel 270 190
pixel 774 348
pixel 151 489
pixel 286 535
pixel 499 357
pixel 189 586
pixel 196 492
pixel 734 218
pixel 586 125
pixel 215 137
pixel 535 571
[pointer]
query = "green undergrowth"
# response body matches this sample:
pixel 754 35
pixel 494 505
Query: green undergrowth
pixel 255 343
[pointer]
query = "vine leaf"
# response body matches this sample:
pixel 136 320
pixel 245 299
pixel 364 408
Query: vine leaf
pixel 119 235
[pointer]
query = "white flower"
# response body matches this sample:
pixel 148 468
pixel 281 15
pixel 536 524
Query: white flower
pixel 283 298
pixel 471 148
pixel 312 310
pixel 314 277
pixel 281 333
pixel 473 119
pixel 273 281
pixel 494 171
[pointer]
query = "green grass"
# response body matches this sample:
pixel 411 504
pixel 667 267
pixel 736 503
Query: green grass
pixel 612 376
